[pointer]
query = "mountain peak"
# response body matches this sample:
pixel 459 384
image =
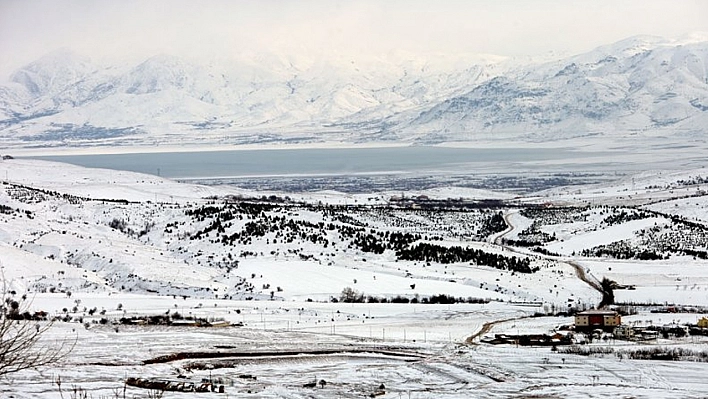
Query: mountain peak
pixel 633 45
pixel 62 59
pixel 53 72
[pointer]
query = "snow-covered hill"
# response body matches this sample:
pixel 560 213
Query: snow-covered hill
pixel 640 86
pixel 67 228
pixel 92 230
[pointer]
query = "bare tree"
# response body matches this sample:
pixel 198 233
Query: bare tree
pixel 351 295
pixel 21 343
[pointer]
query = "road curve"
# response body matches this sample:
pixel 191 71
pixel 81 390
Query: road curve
pixel 579 269
pixel 496 239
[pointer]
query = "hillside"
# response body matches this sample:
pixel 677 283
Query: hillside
pixel 92 230
pixel 207 242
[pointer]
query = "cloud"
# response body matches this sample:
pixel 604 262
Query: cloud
pixel 132 28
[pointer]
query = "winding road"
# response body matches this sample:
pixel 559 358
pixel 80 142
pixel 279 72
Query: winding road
pixel 580 271
pixel 496 239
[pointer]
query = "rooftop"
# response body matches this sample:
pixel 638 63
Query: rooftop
pixel 596 312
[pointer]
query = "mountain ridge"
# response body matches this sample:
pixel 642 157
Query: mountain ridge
pixel 637 85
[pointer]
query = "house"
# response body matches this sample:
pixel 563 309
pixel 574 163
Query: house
pixel 593 319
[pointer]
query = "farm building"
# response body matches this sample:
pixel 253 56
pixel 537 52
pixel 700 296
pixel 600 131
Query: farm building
pixel 593 319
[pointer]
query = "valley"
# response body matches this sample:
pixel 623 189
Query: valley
pixel 353 199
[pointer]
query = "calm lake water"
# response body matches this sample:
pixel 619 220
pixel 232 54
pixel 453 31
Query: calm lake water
pixel 311 162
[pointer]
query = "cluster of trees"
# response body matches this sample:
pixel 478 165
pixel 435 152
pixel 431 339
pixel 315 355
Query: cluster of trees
pixel 623 216
pixel 352 223
pixel 530 237
pixel 229 211
pixel 283 230
pixel 651 353
pixel 494 224
pixel 691 181
pixel 552 215
pixel 11 211
pixel 30 195
pixel 377 242
pixel 681 237
pixel 165 319
pixel 350 295
pixel 621 250
pixel 122 226
pixel 427 252
pixel 407 246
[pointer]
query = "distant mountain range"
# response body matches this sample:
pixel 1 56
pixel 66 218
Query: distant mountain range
pixel 638 86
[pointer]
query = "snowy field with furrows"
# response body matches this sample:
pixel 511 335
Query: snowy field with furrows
pixel 325 294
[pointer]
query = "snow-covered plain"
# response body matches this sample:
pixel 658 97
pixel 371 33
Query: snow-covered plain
pixel 97 244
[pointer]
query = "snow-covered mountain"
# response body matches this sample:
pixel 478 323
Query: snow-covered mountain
pixel 641 85
pixel 636 85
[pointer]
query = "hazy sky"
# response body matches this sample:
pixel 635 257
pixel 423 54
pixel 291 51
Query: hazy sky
pixel 139 28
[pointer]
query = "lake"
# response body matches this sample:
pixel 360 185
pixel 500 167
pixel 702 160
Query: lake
pixel 313 162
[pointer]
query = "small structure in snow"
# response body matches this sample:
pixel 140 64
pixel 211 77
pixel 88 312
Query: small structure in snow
pixel 624 332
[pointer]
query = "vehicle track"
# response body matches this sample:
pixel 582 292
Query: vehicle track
pixel 487 327
pixel 280 354
pixel 580 272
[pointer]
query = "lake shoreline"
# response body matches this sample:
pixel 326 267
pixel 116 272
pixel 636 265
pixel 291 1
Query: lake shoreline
pixel 329 161
pixel 27 152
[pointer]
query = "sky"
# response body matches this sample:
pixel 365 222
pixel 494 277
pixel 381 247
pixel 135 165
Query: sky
pixel 134 29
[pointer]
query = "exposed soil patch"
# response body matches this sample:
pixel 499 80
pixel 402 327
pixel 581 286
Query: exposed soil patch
pixel 237 354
